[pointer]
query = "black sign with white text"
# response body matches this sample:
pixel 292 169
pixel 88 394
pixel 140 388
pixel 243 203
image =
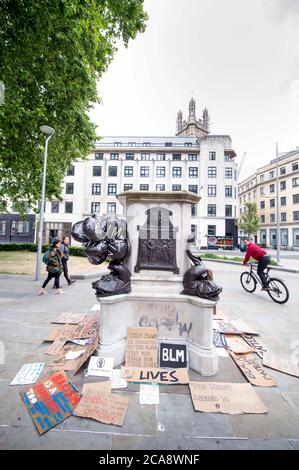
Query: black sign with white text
pixel 173 355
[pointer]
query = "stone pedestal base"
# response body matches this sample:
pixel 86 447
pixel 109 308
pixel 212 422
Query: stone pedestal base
pixel 177 317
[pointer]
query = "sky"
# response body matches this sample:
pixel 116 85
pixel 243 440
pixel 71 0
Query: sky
pixel 238 58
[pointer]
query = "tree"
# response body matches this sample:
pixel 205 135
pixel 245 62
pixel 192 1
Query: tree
pixel 249 221
pixel 52 52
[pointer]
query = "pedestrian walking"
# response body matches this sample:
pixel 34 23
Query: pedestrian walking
pixel 65 252
pixel 54 267
pixel 260 256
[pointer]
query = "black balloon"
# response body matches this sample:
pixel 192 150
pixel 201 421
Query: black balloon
pixel 77 232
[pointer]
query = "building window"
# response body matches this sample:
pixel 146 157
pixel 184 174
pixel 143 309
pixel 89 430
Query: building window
pixel 212 210
pixel 97 171
pixel 272 202
pixel 160 171
pixel 295 198
pixel 128 187
pixel 262 204
pixel 177 156
pixel 144 171
pixel 262 178
pixel 177 172
pixel 117 144
pixel 188 144
pixel 96 188
pixel 296 215
pixel 68 208
pixel 160 187
pixel 160 156
pixel 211 230
pixel 194 210
pixel 132 144
pixel 98 156
pixel 2 227
pixel 283 185
pixel 272 188
pixel 283 216
pixel 212 155
pixel 272 218
pixel 228 191
pixel 55 207
pixel 114 156
pixel 194 231
pixel 192 157
pixel 69 188
pixel 145 156
pixel 146 144
pixel 295 166
pixel 144 187
pixel 295 182
pixel 95 207
pixel 228 173
pixel 112 171
pixel 111 207
pixel 212 190
pixel 283 170
pixel 228 211
pixel 212 172
pixel 19 227
pixel 193 188
pixel 262 191
pixel 262 219
pixel 128 171
pixel 295 237
pixel 283 201
pixel 168 144
pixel 193 172
pixel 271 175
pixel 71 171
pixel 129 156
pixel 176 187
pixel 112 189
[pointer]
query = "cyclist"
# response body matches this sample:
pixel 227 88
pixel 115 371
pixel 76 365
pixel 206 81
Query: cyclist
pixel 259 255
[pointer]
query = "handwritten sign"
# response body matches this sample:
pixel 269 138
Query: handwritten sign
pixel 253 370
pixel 228 398
pixel 149 394
pixel 106 408
pixel 89 352
pixel 173 355
pixel 236 327
pixel 57 332
pixel 255 344
pixel 61 338
pixel 141 348
pixel 237 345
pixel 219 340
pixel 28 374
pixel 50 401
pixel 97 387
pixel 89 326
pixel 69 317
pixel 162 376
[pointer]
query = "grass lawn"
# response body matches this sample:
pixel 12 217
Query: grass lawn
pixel 23 262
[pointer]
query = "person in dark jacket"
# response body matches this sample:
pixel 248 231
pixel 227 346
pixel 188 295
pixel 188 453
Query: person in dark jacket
pixel 260 256
pixel 54 268
pixel 65 252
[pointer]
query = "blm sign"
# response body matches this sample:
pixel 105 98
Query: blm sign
pixel 173 354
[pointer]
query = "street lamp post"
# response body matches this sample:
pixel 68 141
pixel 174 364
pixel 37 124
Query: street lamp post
pixel 277 209
pixel 48 131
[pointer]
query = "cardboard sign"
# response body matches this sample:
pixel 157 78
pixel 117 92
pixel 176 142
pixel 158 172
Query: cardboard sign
pixel 149 394
pixel 106 408
pixel 50 401
pixel 236 327
pixel 97 387
pixel 69 318
pixel 253 371
pixel 229 398
pixel 100 366
pixel 255 344
pixel 58 332
pixel 219 340
pixel 141 348
pixel 89 352
pixel 173 355
pixel 237 345
pixel 89 326
pixel 161 376
pixel 28 374
pixel 282 364
pixel 60 362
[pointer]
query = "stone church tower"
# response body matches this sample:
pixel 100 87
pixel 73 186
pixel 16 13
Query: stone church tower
pixel 193 127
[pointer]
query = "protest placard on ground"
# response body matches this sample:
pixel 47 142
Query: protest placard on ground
pixel 149 394
pixel 237 345
pixel 50 401
pixel 162 376
pixel 89 352
pixel 282 364
pixel 97 387
pixel 253 370
pixel 100 366
pixel 89 326
pixel 141 347
pixel 69 318
pixel 117 381
pixel 229 398
pixel 28 374
pixel 236 327
pixel 106 408
pixel 219 340
pixel 255 344
pixel 173 354
pixel 58 332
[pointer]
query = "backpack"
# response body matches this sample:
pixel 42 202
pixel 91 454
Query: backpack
pixel 46 256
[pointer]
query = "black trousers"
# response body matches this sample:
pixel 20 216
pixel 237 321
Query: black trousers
pixel 50 276
pixel 65 270
pixel 262 264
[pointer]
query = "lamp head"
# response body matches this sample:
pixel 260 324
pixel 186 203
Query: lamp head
pixel 47 130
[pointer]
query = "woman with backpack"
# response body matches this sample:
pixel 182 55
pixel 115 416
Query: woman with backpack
pixel 54 267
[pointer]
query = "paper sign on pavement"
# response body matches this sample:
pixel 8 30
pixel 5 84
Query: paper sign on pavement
pixel 117 381
pixel 219 340
pixel 142 347
pixel 106 408
pixel 74 354
pixel 149 394
pixel 162 376
pixel 282 364
pixel 253 370
pixel 237 345
pixel 236 327
pixel 28 374
pixel 229 398
pixel 100 366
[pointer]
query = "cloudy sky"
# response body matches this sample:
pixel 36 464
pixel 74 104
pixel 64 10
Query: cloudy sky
pixel 239 58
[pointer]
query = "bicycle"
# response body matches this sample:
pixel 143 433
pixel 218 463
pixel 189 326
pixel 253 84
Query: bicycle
pixel 278 292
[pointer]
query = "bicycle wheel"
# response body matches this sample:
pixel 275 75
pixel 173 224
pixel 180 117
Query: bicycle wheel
pixel 248 282
pixel 279 292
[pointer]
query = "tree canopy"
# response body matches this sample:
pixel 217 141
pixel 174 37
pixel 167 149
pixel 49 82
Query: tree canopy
pixel 249 221
pixel 52 52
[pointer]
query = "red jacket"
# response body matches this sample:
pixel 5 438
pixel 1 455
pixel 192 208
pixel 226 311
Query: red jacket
pixel 255 252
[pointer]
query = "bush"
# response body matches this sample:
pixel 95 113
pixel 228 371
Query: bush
pixel 74 250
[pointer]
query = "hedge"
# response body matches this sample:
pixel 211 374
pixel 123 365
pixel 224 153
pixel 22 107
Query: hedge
pixel 74 250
